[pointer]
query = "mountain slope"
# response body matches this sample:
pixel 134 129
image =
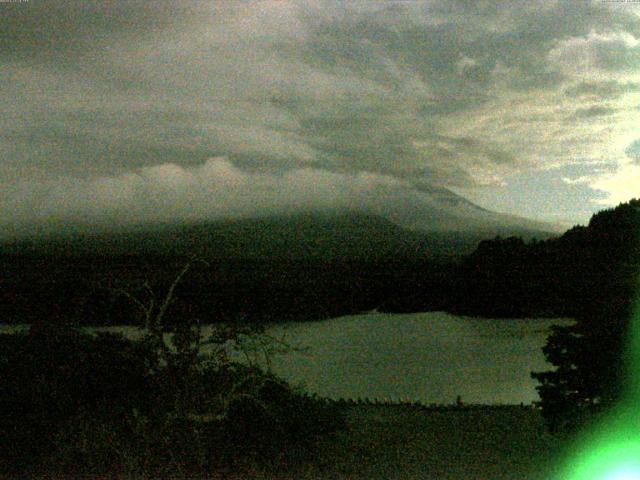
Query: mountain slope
pixel 309 235
pixel 439 209
pixel 424 208
pixel 304 235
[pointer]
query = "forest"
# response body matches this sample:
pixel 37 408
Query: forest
pixel 557 277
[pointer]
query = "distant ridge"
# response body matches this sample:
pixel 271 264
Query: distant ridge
pixel 307 235
pixel 588 269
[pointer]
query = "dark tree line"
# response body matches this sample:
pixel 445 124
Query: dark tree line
pixel 558 277
pixel 589 274
pixel 80 288
pixel 590 357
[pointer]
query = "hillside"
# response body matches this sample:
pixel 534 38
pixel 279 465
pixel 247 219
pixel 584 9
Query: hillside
pixel 300 266
pixel 508 277
pixel 310 235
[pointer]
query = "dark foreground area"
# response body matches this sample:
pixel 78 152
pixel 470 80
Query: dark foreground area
pixel 316 268
pixel 399 442
pixel 102 406
pixel 404 443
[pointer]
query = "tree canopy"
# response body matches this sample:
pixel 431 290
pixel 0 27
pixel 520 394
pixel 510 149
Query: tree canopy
pixel 589 357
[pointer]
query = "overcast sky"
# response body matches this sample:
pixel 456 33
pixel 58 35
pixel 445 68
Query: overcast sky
pixel 160 110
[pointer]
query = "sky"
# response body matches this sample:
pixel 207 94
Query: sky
pixel 136 110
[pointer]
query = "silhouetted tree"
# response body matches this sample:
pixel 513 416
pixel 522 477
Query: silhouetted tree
pixel 589 357
pixel 171 404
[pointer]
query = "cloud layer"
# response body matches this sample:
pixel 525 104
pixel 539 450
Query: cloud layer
pixel 109 106
pixel 218 189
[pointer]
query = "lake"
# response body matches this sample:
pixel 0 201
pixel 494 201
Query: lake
pixel 432 357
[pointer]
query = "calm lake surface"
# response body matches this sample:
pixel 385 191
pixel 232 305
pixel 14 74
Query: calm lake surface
pixel 432 357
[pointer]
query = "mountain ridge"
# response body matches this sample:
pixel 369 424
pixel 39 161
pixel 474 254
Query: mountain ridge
pixel 310 234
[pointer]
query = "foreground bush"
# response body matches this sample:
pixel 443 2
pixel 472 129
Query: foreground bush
pixel 85 404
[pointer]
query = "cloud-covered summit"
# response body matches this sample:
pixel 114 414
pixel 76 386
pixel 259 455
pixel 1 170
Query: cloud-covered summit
pixel 461 95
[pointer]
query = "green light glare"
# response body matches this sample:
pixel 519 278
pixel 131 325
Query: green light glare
pixel 611 449
pixel 613 457
pixel 624 473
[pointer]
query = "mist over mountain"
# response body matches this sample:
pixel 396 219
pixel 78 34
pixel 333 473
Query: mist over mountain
pixel 259 216
pixel 446 211
pixel 314 259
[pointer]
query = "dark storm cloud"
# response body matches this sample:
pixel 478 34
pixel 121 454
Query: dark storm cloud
pixel 593 111
pixel 62 31
pixel 604 90
pixel 415 93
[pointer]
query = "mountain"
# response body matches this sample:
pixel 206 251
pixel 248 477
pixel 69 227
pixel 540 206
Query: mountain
pixel 299 266
pixel 425 209
pixel 310 235
pixel 304 235
pixel 441 210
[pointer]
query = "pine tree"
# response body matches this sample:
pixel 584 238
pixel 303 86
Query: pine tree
pixel 589 356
